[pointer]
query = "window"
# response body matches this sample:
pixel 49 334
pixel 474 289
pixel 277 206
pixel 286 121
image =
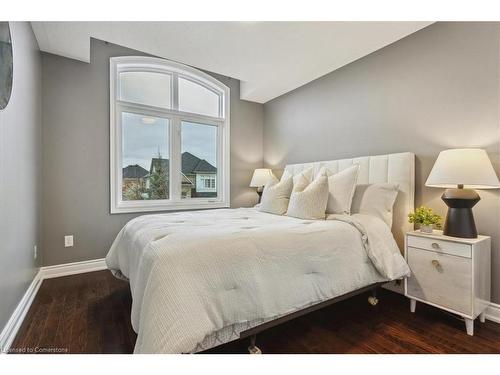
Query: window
pixel 145 151
pixel 154 89
pixel 169 137
pixel 195 98
pixel 199 158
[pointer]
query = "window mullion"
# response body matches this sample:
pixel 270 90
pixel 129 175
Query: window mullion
pixel 220 160
pixel 175 153
pixel 175 159
pixel 175 91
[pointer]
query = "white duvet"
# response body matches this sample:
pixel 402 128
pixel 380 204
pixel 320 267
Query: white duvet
pixel 194 273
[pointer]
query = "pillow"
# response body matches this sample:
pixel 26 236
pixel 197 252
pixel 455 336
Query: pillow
pixel 306 173
pixel 308 200
pixel 375 199
pixel 341 188
pixel 276 196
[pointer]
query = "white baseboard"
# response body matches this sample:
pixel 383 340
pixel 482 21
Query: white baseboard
pixel 10 330
pixel 66 269
pixel 493 312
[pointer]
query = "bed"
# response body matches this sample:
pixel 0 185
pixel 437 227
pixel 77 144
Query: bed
pixel 200 279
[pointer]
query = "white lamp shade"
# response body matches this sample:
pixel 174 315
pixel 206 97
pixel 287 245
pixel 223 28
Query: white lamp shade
pixel 260 177
pixel 470 167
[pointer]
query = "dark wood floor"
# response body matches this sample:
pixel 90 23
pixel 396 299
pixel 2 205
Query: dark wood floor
pixel 90 313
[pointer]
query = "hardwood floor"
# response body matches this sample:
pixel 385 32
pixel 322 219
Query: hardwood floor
pixel 90 313
pixel 85 313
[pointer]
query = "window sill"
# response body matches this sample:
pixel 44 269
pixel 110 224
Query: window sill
pixel 170 206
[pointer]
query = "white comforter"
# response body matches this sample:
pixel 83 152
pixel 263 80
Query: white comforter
pixel 194 273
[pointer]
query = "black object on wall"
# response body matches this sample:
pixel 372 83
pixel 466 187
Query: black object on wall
pixel 6 65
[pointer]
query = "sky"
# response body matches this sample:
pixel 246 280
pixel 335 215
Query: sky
pixel 200 140
pixel 143 136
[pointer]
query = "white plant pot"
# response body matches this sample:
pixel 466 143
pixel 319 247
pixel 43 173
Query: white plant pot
pixel 426 228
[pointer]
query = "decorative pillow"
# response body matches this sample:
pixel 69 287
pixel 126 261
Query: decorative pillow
pixel 308 200
pixel 276 196
pixel 341 188
pixel 306 173
pixel 375 199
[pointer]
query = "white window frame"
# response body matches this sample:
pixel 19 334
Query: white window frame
pixel 175 117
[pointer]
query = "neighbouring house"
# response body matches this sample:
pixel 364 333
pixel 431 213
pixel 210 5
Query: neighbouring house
pixel 134 179
pixel 198 176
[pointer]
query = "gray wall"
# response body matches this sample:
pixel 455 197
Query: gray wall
pixel 20 166
pixel 76 153
pixel 436 89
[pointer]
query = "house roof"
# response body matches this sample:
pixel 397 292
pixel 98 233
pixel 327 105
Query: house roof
pixel 191 164
pixel 134 171
pixel 204 166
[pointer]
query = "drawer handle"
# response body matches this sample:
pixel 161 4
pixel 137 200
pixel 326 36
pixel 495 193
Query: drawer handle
pixel 437 265
pixel 435 245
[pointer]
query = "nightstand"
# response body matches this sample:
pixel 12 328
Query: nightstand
pixel 451 273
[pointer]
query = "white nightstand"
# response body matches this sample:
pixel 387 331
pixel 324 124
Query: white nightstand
pixel 451 273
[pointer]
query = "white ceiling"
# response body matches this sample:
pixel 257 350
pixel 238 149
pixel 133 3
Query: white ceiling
pixel 270 58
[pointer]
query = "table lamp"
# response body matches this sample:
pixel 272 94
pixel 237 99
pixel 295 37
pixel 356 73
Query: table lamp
pixel 260 177
pixel 460 171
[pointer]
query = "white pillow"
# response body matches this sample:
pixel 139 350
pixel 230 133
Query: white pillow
pixel 341 188
pixel 375 199
pixel 308 200
pixel 306 173
pixel 276 196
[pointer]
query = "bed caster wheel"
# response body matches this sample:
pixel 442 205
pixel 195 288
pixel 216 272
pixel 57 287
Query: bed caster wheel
pixel 254 350
pixel 373 300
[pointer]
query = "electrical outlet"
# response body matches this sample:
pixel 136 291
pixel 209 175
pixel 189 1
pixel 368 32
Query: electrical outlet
pixel 35 252
pixel 68 241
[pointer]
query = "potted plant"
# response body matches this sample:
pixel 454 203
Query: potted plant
pixel 426 218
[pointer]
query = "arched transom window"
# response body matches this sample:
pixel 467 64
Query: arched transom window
pixel 169 137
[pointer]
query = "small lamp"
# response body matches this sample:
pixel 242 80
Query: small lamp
pixel 459 171
pixel 260 177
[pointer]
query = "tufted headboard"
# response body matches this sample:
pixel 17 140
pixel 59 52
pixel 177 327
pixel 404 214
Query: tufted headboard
pixel 393 168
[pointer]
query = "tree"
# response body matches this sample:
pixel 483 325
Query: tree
pixel 134 191
pixel 158 180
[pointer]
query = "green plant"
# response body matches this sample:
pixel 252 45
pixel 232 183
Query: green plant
pixel 424 215
pixel 158 180
pixel 134 191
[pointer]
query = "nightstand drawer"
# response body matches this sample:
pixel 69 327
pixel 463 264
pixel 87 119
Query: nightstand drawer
pixel 445 247
pixel 442 279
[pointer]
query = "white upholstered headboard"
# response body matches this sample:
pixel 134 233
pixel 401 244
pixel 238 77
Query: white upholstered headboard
pixel 393 168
